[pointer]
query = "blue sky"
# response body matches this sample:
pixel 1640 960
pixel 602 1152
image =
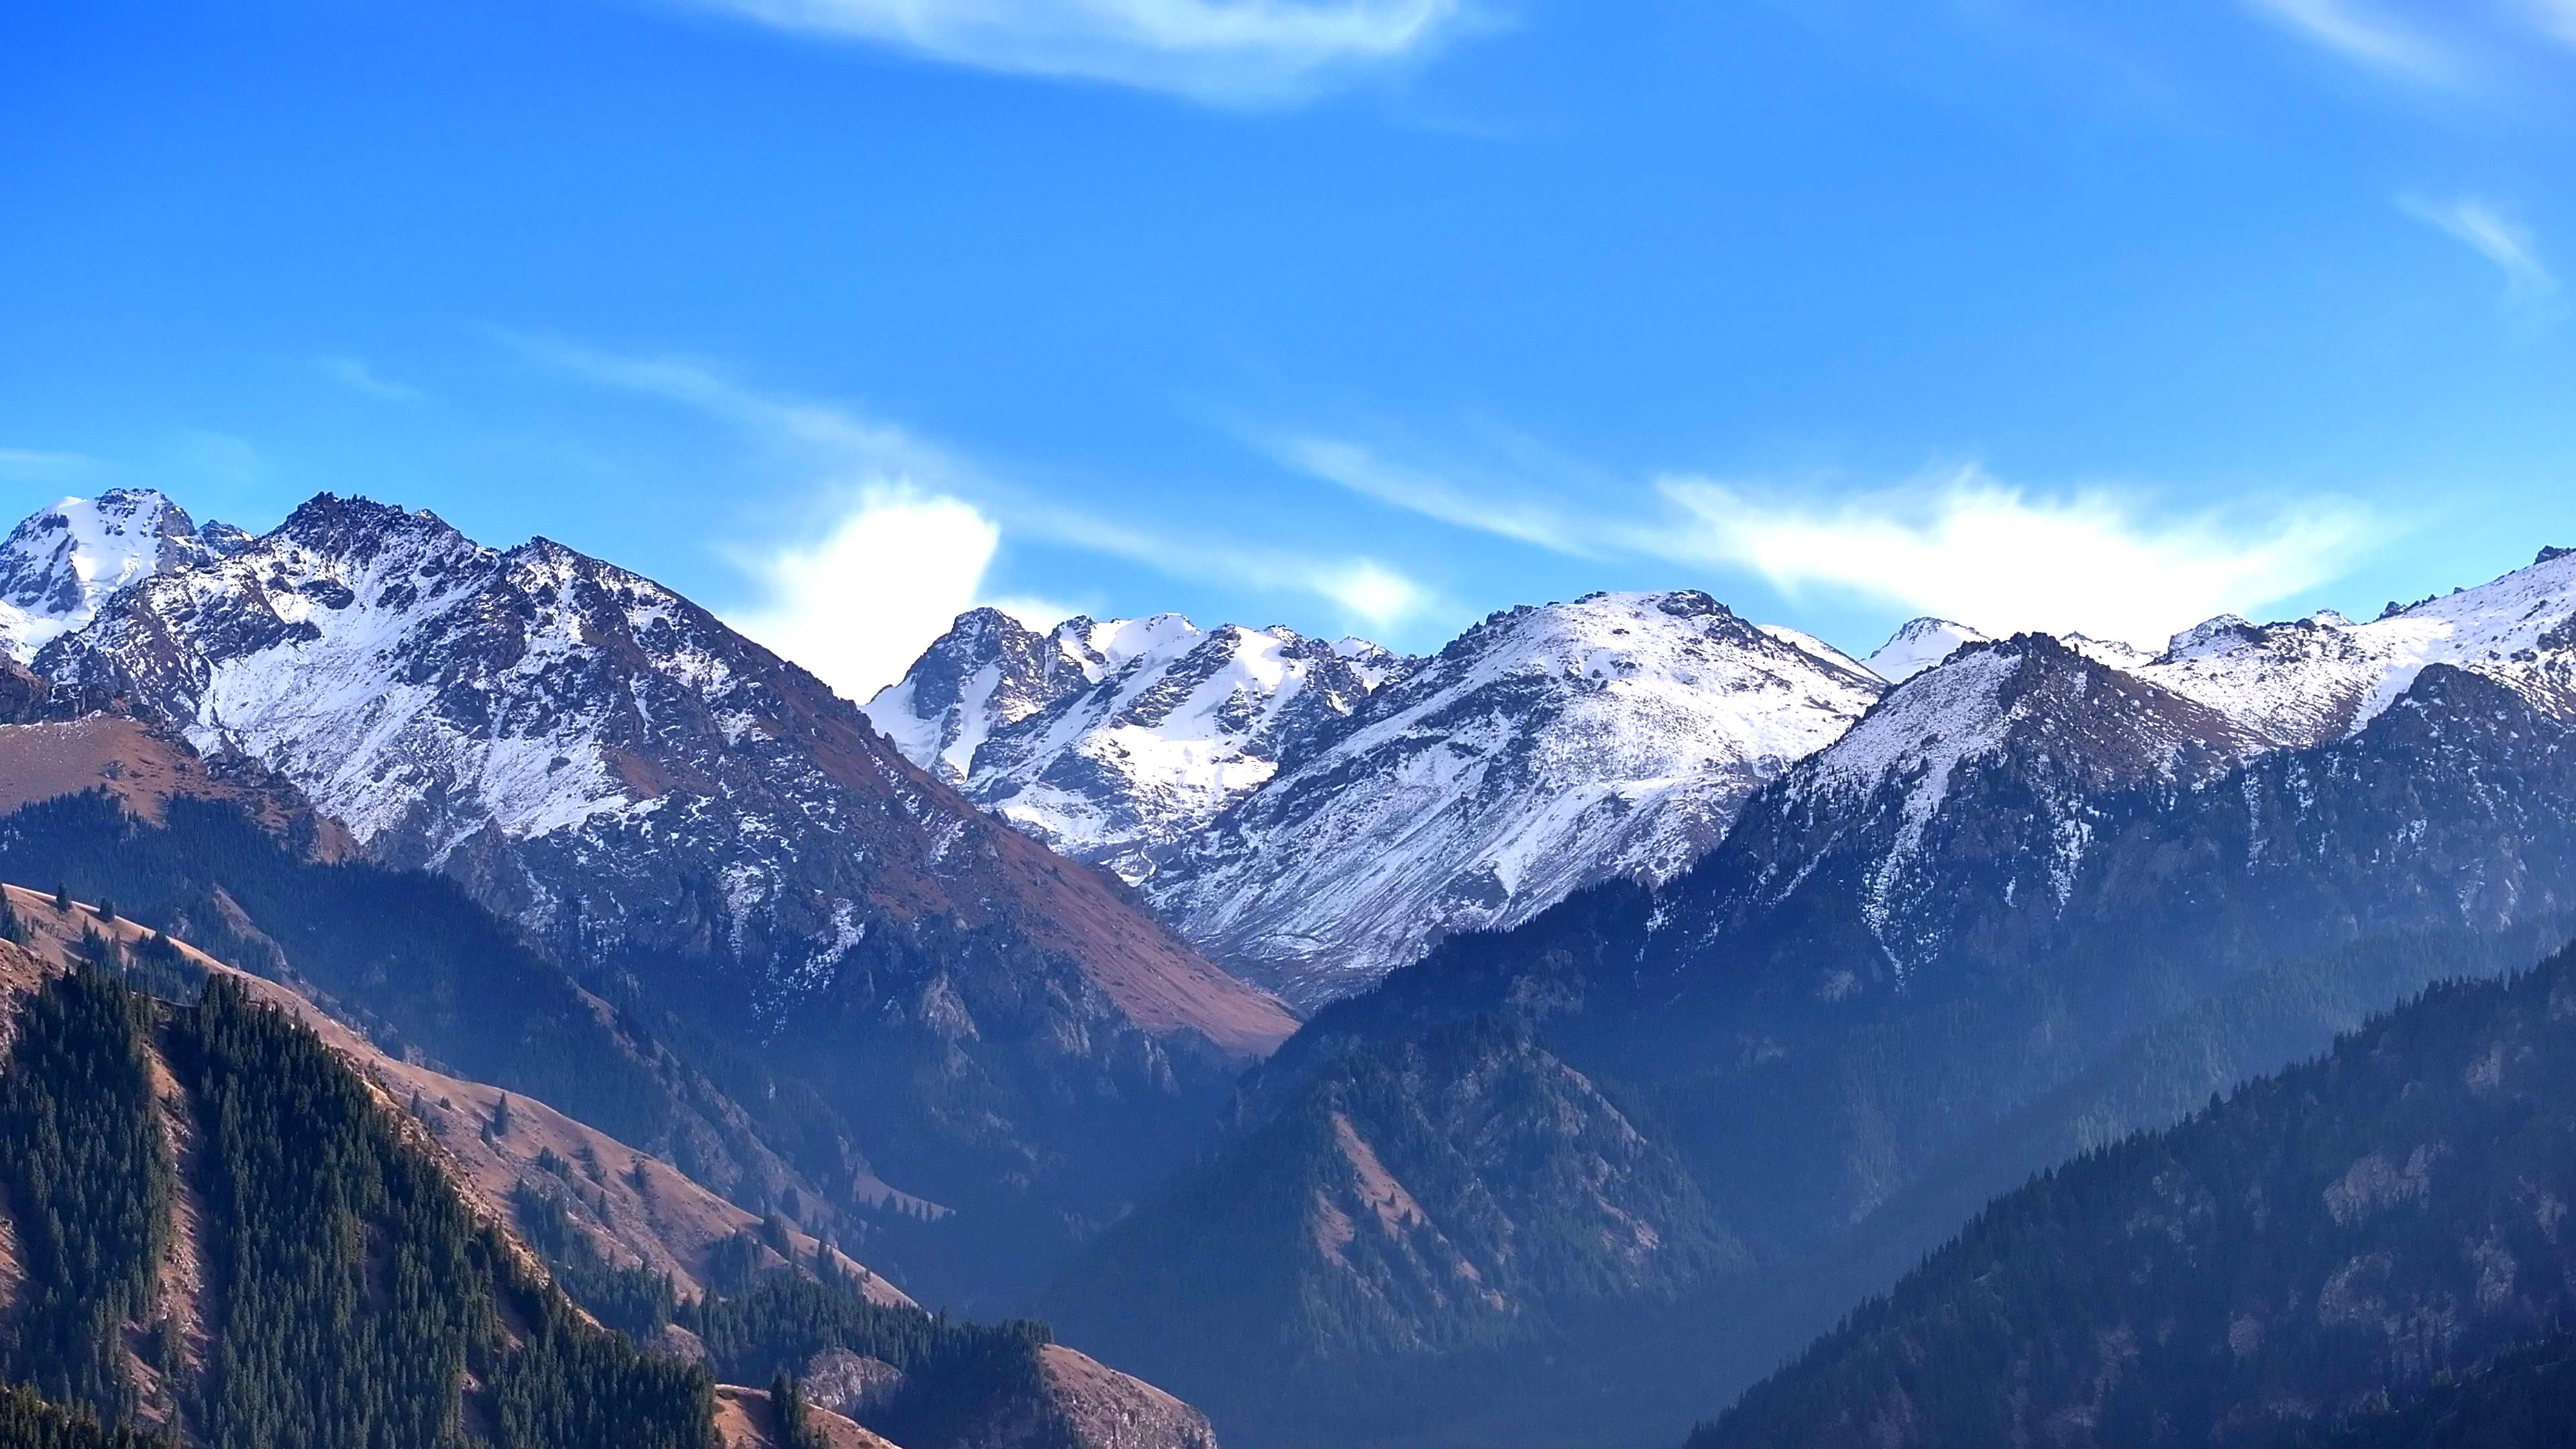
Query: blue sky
pixel 1354 315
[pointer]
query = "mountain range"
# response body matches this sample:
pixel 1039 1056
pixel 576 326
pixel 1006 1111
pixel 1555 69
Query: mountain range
pixel 1543 750
pixel 1532 1042
pixel 709 834
pixel 2021 866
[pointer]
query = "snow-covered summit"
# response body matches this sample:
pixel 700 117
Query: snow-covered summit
pixel 987 671
pixel 608 763
pixel 1318 812
pixel 1110 739
pixel 1545 749
pixel 2307 680
pixel 58 566
pixel 1917 645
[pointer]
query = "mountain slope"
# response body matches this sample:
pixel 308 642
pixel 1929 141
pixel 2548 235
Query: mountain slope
pixel 2343 1231
pixel 1464 1193
pixel 641 1215
pixel 453 988
pixel 2025 864
pixel 201 1198
pixel 614 1227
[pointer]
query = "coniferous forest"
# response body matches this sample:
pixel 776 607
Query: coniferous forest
pixel 2365 1250
pixel 89 1189
pixel 28 1422
pixel 348 1295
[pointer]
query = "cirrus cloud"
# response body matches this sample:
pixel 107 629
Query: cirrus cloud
pixel 1236 52
pixel 2483 229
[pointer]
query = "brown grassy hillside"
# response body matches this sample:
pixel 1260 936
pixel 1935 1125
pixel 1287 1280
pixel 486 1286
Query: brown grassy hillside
pixel 667 1222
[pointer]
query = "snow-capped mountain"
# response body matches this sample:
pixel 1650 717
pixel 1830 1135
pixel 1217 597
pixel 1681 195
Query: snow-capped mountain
pixel 666 802
pixel 1314 814
pixel 1110 740
pixel 58 566
pixel 1992 760
pixel 986 672
pixel 1544 749
pixel 512 715
pixel 1917 645
pixel 2315 678
pixel 2054 726
pixel 2030 857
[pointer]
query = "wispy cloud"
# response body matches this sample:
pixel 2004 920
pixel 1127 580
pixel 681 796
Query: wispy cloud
pixel 221 458
pixel 2528 281
pixel 353 373
pixel 37 463
pixel 2556 18
pixel 2359 33
pixel 1484 504
pixel 819 430
pixel 1961 544
pixel 1235 52
pixel 895 506
pixel 1970 547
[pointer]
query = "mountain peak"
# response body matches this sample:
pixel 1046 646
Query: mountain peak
pixel 360 528
pixel 59 565
pixel 1918 644
pixel 1546 748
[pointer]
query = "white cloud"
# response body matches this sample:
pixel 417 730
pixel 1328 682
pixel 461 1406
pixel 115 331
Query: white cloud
pixel 1482 505
pixel 1971 548
pixel 2360 34
pixel 1963 545
pixel 1225 51
pixel 1369 589
pixel 38 463
pixel 917 495
pixel 353 373
pixel 2555 17
pixel 858 604
pixel 814 429
pixel 2483 230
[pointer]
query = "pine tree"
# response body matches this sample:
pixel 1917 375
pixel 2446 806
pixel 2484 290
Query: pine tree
pixel 107 910
pixel 62 897
pixel 787 1406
